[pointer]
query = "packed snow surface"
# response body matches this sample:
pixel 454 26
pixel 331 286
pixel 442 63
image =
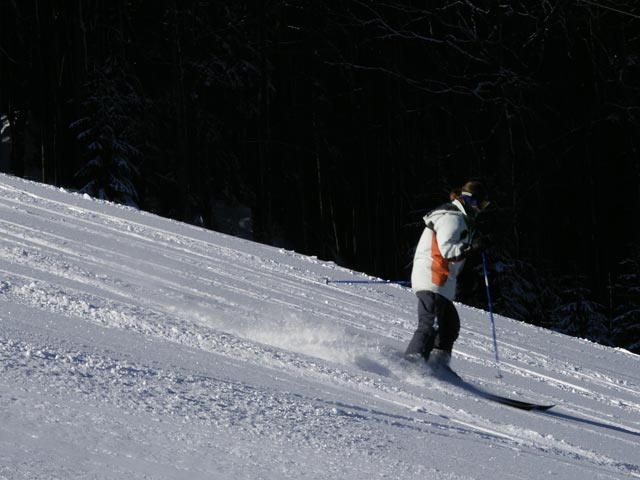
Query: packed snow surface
pixel 136 347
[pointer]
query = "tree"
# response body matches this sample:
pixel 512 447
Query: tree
pixel 108 133
pixel 521 290
pixel 579 316
pixel 626 302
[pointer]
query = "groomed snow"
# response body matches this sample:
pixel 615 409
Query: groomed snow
pixel 135 347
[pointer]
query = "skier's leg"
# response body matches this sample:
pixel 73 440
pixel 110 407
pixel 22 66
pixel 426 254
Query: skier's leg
pixel 448 324
pixel 424 336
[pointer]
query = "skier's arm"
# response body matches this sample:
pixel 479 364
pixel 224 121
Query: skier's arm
pixel 452 236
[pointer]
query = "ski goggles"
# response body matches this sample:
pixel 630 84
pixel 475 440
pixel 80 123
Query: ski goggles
pixel 470 200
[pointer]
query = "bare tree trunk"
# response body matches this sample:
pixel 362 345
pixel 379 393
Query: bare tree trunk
pixel 264 215
pixel 183 156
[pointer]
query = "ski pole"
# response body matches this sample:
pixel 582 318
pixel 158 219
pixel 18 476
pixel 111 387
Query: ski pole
pixel 397 282
pixel 493 325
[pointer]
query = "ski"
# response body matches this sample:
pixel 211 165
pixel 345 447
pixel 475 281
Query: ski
pixel 520 404
pixel 446 373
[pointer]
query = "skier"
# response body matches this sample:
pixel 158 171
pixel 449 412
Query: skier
pixel 447 240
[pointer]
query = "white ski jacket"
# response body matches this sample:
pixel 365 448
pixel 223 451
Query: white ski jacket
pixel 441 250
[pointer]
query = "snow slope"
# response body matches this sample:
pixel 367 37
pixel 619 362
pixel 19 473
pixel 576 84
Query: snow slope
pixel 136 347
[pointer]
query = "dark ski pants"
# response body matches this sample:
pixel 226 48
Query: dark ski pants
pixel 438 325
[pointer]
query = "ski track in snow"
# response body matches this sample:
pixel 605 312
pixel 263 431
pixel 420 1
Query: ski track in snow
pixel 138 347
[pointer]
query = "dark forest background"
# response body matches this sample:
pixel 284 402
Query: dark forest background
pixel 339 124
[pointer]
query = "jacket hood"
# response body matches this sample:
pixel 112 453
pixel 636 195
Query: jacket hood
pixel 454 207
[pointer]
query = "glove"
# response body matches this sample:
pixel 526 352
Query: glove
pixel 480 243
